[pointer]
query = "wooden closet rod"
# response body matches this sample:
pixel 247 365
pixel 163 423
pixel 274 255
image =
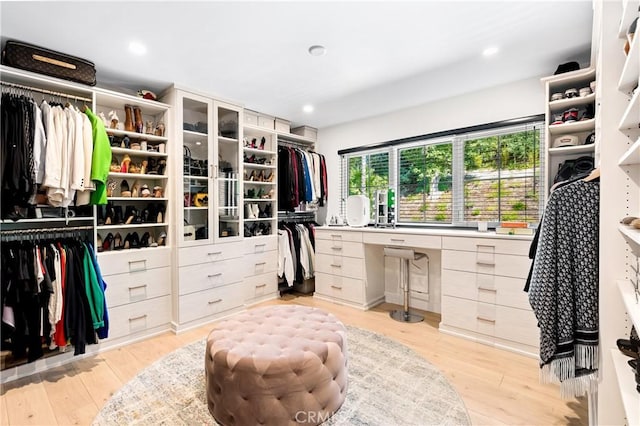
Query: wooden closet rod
pixel 45 91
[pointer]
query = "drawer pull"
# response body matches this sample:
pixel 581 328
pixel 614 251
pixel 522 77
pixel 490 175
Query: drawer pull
pixel 213 302
pixel 138 286
pixel 142 262
pixel 260 245
pixel 486 245
pixel 137 318
pixel 261 263
pixel 214 253
pixel 336 248
pixel 485 262
pixel 397 240
pixel 479 318
pixel 336 287
pixel 336 236
pixel 335 266
pixel 261 285
pixel 214 275
pixel 493 290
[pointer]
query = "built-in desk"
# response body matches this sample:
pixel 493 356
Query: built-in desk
pixel 475 279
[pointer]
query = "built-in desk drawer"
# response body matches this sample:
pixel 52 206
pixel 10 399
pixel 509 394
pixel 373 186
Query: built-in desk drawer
pixel 338 235
pixel 340 248
pixel 260 263
pixel 260 244
pixel 210 275
pixel 209 253
pixel 492 320
pixel 125 261
pixel 139 317
pixel 210 302
pixel 337 287
pixel 402 240
pixel 136 286
pixel 486 263
pixel 338 265
pixel 495 289
pixel 489 245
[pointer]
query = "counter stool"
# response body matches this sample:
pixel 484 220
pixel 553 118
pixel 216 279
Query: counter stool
pixel 405 255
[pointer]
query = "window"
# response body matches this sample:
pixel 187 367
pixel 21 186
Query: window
pixel 457 179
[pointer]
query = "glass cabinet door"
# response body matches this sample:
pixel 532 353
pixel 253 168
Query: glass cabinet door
pixel 196 173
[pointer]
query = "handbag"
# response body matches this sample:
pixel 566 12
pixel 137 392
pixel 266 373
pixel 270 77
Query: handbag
pixel 49 62
pixel 186 154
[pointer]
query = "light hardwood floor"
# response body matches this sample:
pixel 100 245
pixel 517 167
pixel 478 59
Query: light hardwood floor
pixel 498 387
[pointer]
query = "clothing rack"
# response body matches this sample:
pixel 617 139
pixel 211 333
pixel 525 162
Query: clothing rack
pixel 297 217
pixel 293 144
pixel 33 233
pixel 45 91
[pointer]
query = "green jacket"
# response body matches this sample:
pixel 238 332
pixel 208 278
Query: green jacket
pixel 101 160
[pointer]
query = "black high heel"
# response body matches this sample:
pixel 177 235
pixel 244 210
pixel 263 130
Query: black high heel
pixel 117 218
pixel 117 242
pixel 109 215
pixel 124 189
pixel 108 242
pixel 262 142
pixel 135 241
pixel 160 213
pixel 129 215
pixel 102 213
pixel 127 242
pixel 144 241
pixel 99 243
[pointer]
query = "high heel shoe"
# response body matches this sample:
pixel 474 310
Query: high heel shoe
pixel 117 215
pixel 248 212
pixel 269 178
pixel 135 192
pixel 127 242
pixel 254 142
pixel 107 243
pixel 144 191
pixel 268 195
pixel 161 208
pixel 260 176
pixel 124 166
pixel 252 176
pixel 111 186
pixel 162 239
pixel 124 189
pixel 99 243
pixel 144 241
pixel 129 215
pixel 117 242
pixel 158 192
pixel 135 240
pixel 262 142
pixel 109 217
pixel 144 167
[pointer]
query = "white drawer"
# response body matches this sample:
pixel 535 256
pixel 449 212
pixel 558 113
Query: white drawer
pixel 402 240
pixel 511 324
pixel 256 264
pixel 338 265
pixel 137 286
pixel 260 285
pixel 209 253
pixel 260 244
pixel 266 122
pixel 505 291
pixel 125 261
pixel 490 245
pixel 337 287
pixel 486 263
pixel 340 248
pixel 139 316
pixel 338 235
pixel 210 302
pixel 250 117
pixel 210 275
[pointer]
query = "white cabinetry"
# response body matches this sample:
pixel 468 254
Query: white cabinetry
pixel 482 292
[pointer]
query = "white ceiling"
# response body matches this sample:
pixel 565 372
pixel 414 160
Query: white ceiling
pixel 381 56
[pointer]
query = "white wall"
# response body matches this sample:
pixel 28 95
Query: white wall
pixel 513 100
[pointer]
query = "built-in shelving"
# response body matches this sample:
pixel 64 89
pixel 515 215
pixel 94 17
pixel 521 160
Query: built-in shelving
pixel 137 152
pixel 251 129
pixel 627 386
pixel 631 117
pixel 254 182
pixel 576 126
pixel 629 77
pixel 632 236
pixel 296 138
pixel 562 104
pixel 136 176
pixel 135 135
pixel 47 220
pixel 632 155
pixel 566 150
pixel 258 151
pixel 132 225
pixel 631 301
pixel 227 140
pixel 259 166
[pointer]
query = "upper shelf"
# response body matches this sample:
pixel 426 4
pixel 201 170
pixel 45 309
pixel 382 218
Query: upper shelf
pixel 629 13
pixel 571 78
pixel 137 152
pixel 290 137
pixel 631 156
pixel 107 98
pixel 576 126
pixel 631 117
pixel 570 150
pixel 135 135
pixel 631 301
pixel 631 69
pixel 563 104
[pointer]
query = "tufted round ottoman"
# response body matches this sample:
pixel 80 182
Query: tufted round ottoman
pixel 276 365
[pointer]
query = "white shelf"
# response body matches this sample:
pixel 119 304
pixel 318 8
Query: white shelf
pixel 227 140
pixel 196 208
pixel 258 151
pixel 627 387
pixel 228 207
pixel 258 166
pixel 228 179
pixel 131 225
pixel 47 220
pixel 137 152
pixel 115 252
pixel 571 78
pixel 257 200
pixel 253 182
pixel 629 13
pixel 576 126
pixel 257 130
pixel 222 219
pixel 290 137
pixel 136 176
pixel 629 76
pixel 631 156
pixel 630 234
pixel 568 103
pixel 137 198
pixel 202 178
pixel 570 150
pixel 631 302
pixel 261 219
pixel 631 116
pixel 135 135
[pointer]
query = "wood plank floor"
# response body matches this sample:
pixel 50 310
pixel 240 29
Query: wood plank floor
pixel 498 387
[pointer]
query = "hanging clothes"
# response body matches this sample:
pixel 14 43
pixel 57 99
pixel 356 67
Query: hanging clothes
pixel 301 250
pixel 564 288
pixel 302 178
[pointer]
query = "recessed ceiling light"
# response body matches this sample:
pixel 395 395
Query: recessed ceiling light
pixel 137 48
pixel 198 143
pixel 307 108
pixel 490 51
pixel 317 50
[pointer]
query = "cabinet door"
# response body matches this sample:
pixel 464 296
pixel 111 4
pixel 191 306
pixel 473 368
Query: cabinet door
pixel 227 169
pixel 194 114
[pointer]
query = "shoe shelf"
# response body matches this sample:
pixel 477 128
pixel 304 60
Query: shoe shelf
pixel 566 150
pixel 196 208
pixel 137 176
pixel 250 129
pixel 257 182
pixel 629 76
pixel 193 136
pixel 137 199
pixel 629 13
pixel 563 104
pixel 132 225
pixel 260 219
pixel 627 386
pixel 48 219
pixel 225 139
pixel 255 200
pixel 576 126
pixel 631 156
pixel 631 117
pixel 631 301
pixel 259 166
pixel 135 135
pixel 290 137
pixel 137 152
pixel 258 151
pixel 632 236
pixel 114 252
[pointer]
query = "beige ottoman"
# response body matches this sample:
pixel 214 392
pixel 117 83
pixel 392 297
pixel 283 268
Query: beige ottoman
pixel 276 365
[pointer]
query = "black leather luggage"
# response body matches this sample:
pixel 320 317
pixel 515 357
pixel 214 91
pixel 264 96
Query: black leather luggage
pixel 49 62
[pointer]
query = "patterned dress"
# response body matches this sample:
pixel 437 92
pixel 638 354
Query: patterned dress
pixel 564 288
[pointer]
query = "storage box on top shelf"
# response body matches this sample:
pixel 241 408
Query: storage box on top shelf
pixel 306 131
pixel 283 126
